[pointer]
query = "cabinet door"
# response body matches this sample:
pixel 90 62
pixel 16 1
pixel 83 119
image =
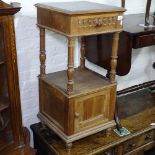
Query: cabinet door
pixel 94 109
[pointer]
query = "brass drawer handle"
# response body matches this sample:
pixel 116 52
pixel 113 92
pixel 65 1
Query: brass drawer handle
pixel 77 115
pixel 99 23
pixel 148 137
pixel 132 145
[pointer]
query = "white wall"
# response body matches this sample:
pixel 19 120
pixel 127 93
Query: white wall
pixel 27 41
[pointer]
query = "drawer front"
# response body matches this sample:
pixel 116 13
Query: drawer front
pixel 94 109
pixel 88 25
pixel 144 40
pixel 138 141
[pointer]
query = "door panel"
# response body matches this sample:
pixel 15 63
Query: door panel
pixel 93 109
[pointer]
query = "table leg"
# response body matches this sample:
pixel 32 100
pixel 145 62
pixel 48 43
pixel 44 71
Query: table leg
pixel 70 70
pixel 42 52
pixel 82 59
pixel 117 120
pixel 147 14
pixel 68 147
pixel 113 73
pixel 114 57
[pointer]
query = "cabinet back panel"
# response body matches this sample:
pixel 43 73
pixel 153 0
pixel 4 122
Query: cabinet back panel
pixel 3 81
pixel 1 44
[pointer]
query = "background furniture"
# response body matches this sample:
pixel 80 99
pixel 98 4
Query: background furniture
pixel 141 141
pixel 132 36
pixel 77 104
pixel 12 134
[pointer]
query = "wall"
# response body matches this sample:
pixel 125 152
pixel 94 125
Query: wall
pixel 27 39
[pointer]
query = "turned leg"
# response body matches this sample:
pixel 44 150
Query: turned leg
pixel 113 73
pixel 42 52
pixel 70 71
pixel 117 120
pixel 114 57
pixel 147 14
pixel 68 147
pixel 82 59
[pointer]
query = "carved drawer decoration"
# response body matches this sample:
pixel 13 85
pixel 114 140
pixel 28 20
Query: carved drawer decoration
pixel 97 22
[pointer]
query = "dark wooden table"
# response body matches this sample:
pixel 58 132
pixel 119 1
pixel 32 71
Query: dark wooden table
pixel 133 36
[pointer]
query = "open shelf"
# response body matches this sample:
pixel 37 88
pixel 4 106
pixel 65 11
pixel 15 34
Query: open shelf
pixel 84 81
pixel 4 103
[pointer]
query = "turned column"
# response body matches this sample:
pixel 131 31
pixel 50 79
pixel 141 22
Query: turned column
pixel 147 14
pixel 114 57
pixel 70 70
pixel 82 59
pixel 42 52
pixel 113 74
pixel 123 3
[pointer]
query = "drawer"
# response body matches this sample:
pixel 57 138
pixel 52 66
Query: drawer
pixel 144 40
pixel 136 142
pixel 96 24
pixel 80 24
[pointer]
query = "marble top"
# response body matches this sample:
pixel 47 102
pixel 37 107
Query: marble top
pixel 79 7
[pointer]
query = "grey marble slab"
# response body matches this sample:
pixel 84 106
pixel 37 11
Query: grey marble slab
pixel 79 7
